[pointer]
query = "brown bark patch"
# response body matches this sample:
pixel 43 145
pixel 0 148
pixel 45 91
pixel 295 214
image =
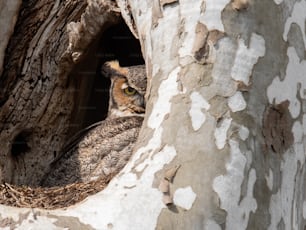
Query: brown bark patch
pixel 240 4
pixel 32 15
pixel 277 126
pixel 204 42
pixel 69 222
pixel 165 2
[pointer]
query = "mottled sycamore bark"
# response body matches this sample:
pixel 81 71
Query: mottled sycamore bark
pixel 223 142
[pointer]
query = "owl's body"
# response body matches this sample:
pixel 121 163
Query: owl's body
pixel 107 147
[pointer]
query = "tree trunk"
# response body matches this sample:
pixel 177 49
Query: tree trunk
pixel 222 145
pixel 40 97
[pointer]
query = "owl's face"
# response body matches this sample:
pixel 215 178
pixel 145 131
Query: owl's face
pixel 128 86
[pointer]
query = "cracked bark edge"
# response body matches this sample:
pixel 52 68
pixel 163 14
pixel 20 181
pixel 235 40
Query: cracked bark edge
pixel 128 16
pixel 97 14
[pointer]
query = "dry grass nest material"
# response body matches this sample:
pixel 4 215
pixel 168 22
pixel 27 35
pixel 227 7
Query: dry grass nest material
pixel 49 198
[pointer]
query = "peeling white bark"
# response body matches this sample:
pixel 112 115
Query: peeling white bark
pixel 166 91
pixel 246 57
pixel 190 11
pixel 269 180
pixel 237 102
pixel 221 133
pixel 243 133
pixel 228 188
pixel 212 14
pixel 184 197
pixel 278 1
pixel 197 116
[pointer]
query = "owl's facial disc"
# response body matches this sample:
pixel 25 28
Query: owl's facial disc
pixel 126 100
pixel 137 104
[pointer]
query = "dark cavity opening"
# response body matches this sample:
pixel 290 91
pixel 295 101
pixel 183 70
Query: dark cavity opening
pixel 20 144
pixel 92 88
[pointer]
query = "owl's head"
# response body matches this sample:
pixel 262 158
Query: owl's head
pixel 128 87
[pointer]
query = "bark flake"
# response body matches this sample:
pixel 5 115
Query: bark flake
pixel 277 126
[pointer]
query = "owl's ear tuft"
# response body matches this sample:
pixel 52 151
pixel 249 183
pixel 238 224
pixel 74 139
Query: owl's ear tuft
pixel 111 68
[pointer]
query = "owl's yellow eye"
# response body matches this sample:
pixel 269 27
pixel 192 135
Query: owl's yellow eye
pixel 130 91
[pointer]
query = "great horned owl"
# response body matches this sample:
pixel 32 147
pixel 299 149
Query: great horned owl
pixel 107 147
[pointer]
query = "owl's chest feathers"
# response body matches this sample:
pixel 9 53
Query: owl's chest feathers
pixel 123 112
pixel 110 131
pixel 104 150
